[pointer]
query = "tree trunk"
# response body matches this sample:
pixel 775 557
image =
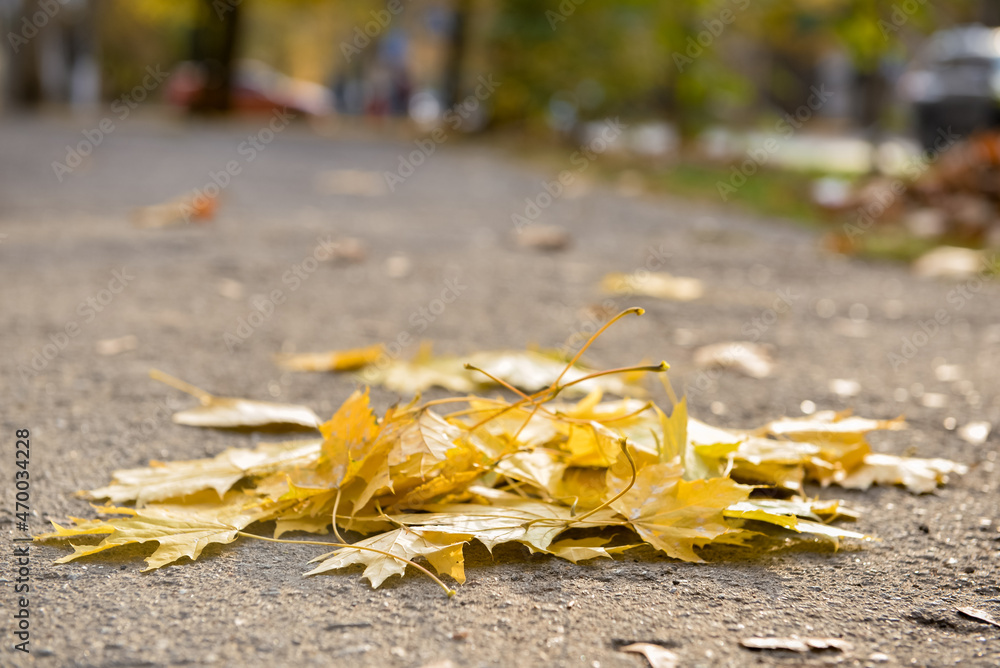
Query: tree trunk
pixel 457 43
pixel 215 43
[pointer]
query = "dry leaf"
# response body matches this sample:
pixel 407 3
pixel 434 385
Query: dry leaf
pixel 161 481
pixel 420 484
pixel 797 644
pixel 533 523
pixel 979 615
pixel 920 476
pixel 232 413
pixel 750 359
pixel 526 370
pixel 227 412
pixel 180 530
pixel 658 657
pixel 654 284
pixel 828 426
pixel 335 360
pixel 443 551
pixel 674 515
pixel 198 207
pixel 580 549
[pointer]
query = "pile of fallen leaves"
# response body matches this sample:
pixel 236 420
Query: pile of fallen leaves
pixel 577 480
pixel 949 193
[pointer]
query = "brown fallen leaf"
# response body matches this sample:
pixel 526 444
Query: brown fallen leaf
pixel 750 359
pixel 658 657
pixel 194 207
pixel 233 413
pixel 797 644
pixel 979 615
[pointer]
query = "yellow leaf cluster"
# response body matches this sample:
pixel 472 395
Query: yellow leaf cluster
pixel 579 480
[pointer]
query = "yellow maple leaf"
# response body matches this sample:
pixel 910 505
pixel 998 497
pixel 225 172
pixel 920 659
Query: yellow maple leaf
pixel 181 531
pixel 531 522
pixel 176 479
pixel 443 551
pixel 674 515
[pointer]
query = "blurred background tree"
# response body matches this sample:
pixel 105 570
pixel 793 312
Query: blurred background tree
pixel 694 63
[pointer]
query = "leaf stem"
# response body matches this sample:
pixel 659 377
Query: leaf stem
pixel 594 337
pixel 635 473
pixel 336 503
pixel 204 397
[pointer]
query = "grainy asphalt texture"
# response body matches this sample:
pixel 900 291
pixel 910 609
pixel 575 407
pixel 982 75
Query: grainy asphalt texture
pixel 248 604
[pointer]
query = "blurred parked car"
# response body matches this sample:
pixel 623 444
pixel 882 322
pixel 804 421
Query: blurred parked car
pixel 256 87
pixel 954 82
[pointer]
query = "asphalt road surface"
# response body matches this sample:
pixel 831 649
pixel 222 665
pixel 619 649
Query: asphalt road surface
pixel 69 254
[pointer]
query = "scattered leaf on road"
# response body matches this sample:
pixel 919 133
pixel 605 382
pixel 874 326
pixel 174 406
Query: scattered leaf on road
pixel 658 657
pixel 797 644
pixel 233 413
pixel 750 359
pixel 335 360
pixel 655 284
pixel 920 476
pixel 979 615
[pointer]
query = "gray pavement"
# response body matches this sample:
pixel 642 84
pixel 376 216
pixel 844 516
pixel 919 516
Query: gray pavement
pixel 247 604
